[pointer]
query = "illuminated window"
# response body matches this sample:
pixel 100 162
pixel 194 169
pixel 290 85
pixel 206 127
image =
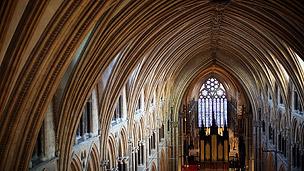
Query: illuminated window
pixel 212 100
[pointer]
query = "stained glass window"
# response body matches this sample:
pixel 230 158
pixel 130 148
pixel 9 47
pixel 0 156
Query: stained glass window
pixel 212 100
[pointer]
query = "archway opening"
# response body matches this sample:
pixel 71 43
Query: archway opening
pixel 213 122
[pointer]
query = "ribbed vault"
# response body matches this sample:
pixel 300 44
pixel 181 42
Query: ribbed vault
pixel 165 44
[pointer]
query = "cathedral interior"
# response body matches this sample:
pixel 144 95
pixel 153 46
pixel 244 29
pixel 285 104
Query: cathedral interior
pixel 152 85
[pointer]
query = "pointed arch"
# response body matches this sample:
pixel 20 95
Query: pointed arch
pixel 123 141
pixel 111 151
pixel 294 129
pixel 153 167
pixel 282 167
pixel 270 162
pixel 76 163
pixel 163 161
pixel 93 161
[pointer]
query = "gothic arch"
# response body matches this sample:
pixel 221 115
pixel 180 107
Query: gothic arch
pixel 294 125
pixel 76 163
pixel 153 167
pixel 282 167
pixel 111 151
pixel 93 163
pixel 163 161
pixel 297 135
pixel 31 74
pixel 270 162
pixel 123 143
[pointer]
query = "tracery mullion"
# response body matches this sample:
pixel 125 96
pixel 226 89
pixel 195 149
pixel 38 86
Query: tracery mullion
pixel 207 113
pixel 210 112
pixel 218 111
pixel 200 112
pixel 214 109
pixel 222 110
pixel 203 109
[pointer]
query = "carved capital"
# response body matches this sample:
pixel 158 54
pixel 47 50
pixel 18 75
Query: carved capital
pixel 104 163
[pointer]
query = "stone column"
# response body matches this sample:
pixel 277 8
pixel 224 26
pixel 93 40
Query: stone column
pixel 255 136
pixel 130 151
pixel 124 103
pixel 94 118
pixel 288 148
pixel 249 140
pixel 300 155
pixel 135 151
pixel 302 159
pixel 49 134
pixel 139 154
pixel 146 150
pixel 120 163
pixel 125 163
pixel 156 133
pixel 142 157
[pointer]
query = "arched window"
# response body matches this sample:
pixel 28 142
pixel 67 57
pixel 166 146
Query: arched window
pixel 212 100
pixel 118 113
pixel 84 129
pixel 296 101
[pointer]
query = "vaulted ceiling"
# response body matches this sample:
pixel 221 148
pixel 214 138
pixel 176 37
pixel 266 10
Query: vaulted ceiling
pixel 167 42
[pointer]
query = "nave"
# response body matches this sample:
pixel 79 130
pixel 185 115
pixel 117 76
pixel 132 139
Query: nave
pixel 153 85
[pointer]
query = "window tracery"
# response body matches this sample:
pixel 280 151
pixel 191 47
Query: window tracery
pixel 212 100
